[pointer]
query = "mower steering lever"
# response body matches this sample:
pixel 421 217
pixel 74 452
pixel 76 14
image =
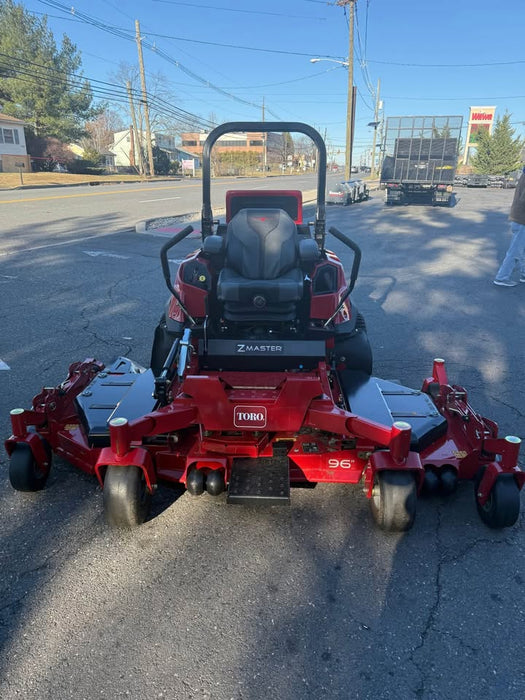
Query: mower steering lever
pixel 166 267
pixel 355 268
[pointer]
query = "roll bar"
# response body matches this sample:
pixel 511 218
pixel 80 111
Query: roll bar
pixel 265 127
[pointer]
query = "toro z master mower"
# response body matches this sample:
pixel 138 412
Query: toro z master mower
pixel 261 377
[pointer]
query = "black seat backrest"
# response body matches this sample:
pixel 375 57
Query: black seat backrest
pixel 261 243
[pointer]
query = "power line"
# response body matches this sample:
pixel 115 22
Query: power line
pixel 100 88
pixel 237 46
pixel 231 9
pixel 458 99
pixel 449 65
pixel 361 56
pixel 124 34
pixel 279 51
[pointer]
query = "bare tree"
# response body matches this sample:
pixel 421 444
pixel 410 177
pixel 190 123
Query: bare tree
pixel 305 152
pixel 162 102
pixel 100 131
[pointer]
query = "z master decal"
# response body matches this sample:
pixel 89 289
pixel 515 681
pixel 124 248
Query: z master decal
pixel 252 347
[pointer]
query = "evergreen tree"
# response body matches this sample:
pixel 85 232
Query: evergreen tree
pixel 482 159
pixel 40 82
pixel 161 161
pixel 499 153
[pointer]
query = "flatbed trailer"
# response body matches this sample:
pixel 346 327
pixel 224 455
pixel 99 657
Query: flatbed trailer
pixel 420 159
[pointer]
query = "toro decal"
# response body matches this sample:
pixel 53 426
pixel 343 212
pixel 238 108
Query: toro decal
pixel 249 416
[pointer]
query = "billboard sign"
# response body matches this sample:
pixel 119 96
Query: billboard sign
pixel 480 118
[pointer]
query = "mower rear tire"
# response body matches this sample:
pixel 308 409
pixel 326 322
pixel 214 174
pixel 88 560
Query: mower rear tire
pixel 126 496
pixel 354 352
pixel 394 499
pixel 24 472
pixel 162 343
pixel 502 507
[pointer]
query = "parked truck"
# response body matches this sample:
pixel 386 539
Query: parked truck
pixel 420 156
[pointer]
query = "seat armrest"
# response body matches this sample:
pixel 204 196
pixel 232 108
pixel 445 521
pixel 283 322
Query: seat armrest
pixel 309 252
pixel 213 245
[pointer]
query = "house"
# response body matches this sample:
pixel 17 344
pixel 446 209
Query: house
pixel 125 151
pixel 107 158
pixel 13 151
pixel 182 155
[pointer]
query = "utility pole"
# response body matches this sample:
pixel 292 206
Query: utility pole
pixel 144 99
pixel 376 116
pixel 138 146
pixel 350 106
pixel 265 144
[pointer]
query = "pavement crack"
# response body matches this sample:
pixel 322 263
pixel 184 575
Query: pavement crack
pixel 450 559
pixel 431 616
pixel 510 406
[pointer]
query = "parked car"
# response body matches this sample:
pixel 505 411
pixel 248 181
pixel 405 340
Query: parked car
pixel 477 180
pixel 340 194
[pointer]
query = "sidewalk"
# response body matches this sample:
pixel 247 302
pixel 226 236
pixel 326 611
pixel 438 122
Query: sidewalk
pixel 48 182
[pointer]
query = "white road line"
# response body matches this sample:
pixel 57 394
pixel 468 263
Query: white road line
pixel 161 199
pixel 103 254
pixel 70 242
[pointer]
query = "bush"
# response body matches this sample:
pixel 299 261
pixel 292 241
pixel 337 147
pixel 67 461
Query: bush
pixel 43 165
pixel 161 161
pixel 82 166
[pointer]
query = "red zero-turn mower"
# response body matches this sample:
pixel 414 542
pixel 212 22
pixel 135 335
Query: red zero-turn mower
pixel 261 377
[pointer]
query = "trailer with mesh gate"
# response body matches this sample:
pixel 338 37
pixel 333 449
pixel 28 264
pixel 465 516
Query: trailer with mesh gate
pixel 420 156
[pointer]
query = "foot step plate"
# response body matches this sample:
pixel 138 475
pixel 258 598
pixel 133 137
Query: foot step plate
pixel 262 481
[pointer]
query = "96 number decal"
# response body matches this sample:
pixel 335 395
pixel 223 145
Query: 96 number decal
pixel 340 463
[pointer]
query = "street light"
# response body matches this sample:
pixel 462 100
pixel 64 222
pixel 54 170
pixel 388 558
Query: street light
pixel 332 60
pixel 373 168
pixel 350 112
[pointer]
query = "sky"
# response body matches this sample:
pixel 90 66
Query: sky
pixel 223 59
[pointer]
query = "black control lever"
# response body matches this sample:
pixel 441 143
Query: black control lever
pixel 166 267
pixel 354 272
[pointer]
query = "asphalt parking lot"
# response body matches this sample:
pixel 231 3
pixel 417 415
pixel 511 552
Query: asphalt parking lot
pixel 207 600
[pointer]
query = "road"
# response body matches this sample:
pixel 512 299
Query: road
pixel 213 601
pixel 29 216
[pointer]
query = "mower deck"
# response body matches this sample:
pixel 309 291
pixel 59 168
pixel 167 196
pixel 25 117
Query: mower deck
pixel 261 377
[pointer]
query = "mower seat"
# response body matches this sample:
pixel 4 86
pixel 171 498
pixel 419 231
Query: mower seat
pixel 261 277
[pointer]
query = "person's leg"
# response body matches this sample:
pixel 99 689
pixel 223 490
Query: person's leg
pixel 515 253
pixel 522 267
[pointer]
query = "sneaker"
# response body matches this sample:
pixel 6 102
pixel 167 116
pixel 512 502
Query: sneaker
pixel 522 278
pixel 505 283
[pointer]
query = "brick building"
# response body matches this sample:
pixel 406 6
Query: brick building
pixel 247 142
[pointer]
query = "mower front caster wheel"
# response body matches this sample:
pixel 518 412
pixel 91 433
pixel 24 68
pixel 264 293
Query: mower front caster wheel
pixel 24 472
pixel 126 496
pixel 393 502
pixel 502 507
